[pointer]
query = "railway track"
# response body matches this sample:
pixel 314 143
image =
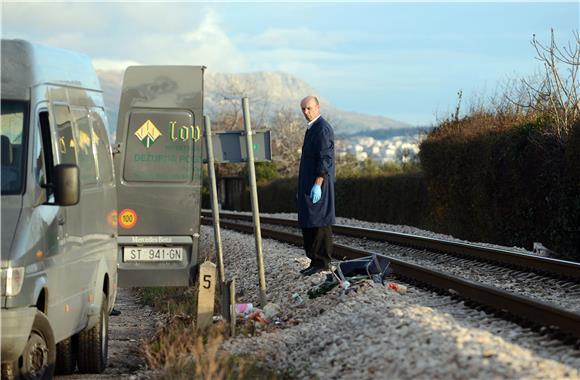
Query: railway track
pixel 558 286
pixel 524 309
pixel 558 269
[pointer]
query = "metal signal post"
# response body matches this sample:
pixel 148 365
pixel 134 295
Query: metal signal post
pixel 254 198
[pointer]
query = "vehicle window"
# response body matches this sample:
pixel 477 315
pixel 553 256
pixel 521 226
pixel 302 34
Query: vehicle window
pixel 66 150
pixel 160 146
pixel 101 141
pixel 86 159
pixel 12 122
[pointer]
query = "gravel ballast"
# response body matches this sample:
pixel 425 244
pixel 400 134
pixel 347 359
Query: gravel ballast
pixel 561 293
pixel 377 332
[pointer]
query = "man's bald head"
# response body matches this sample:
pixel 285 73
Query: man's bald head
pixel 310 107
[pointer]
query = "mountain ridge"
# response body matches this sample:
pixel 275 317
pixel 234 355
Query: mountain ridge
pixel 269 92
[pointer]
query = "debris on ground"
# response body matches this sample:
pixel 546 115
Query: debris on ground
pixel 401 289
pixel 244 309
pixel 271 310
pixel 349 275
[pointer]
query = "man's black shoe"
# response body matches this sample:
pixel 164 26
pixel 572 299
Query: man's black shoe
pixel 312 270
pixel 115 312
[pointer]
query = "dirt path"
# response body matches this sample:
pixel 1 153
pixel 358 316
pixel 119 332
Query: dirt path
pixel 136 322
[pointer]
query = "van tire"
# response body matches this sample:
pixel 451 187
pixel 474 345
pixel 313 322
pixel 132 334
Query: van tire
pixel 66 356
pixel 9 370
pixel 93 343
pixel 39 355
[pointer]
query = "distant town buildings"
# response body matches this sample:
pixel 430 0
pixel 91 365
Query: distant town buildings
pixel 399 149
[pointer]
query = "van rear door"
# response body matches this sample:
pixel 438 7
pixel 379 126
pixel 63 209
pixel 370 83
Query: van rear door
pixel 158 166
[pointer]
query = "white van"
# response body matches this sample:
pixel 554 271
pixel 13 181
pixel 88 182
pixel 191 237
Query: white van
pixel 59 222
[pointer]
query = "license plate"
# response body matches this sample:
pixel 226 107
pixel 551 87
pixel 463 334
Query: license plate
pixel 152 254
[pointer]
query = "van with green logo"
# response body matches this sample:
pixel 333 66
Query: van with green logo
pixel 158 162
pixel 58 267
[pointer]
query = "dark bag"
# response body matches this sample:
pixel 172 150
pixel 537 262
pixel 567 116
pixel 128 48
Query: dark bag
pixel 374 267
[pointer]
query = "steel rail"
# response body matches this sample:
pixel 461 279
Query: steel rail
pixel 524 308
pixel 560 268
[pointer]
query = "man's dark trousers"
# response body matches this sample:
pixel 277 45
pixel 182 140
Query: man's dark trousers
pixel 318 245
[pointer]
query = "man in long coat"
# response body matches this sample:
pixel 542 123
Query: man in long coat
pixel 316 188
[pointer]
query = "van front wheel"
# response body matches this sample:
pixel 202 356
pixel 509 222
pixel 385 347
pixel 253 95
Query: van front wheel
pixel 39 355
pixel 93 343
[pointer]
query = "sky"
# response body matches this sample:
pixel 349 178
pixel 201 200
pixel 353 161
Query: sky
pixel 403 60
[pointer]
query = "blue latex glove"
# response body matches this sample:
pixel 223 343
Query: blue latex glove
pixel 315 193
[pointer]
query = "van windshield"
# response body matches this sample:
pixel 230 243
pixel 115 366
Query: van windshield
pixel 12 150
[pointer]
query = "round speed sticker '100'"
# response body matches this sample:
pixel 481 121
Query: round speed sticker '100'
pixel 127 218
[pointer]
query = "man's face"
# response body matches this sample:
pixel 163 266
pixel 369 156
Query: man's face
pixel 310 109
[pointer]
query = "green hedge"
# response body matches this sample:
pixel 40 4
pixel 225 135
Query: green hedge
pixel 278 196
pixel 512 187
pixel 397 199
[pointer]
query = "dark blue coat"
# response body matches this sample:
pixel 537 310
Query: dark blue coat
pixel 317 161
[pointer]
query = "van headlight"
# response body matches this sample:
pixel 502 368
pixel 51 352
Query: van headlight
pixel 14 278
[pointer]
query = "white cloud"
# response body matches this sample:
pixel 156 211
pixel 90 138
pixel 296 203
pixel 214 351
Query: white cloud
pixel 210 44
pixel 105 64
pixel 151 33
pixel 56 17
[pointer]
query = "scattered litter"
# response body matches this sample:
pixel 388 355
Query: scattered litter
pixel 270 311
pixel 377 279
pixel 324 287
pixel 297 299
pixel 244 308
pixel 258 316
pixel 542 250
pixel 351 274
pixel 401 289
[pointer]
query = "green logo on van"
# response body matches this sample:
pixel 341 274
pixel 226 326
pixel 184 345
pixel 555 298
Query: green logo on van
pixel 148 133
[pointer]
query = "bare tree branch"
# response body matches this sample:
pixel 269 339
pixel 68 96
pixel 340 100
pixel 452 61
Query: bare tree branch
pixel 556 94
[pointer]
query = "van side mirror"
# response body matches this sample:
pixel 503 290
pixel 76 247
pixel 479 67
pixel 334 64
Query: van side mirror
pixel 66 185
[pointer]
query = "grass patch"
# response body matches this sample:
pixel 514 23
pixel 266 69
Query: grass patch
pixel 180 351
pixel 170 300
